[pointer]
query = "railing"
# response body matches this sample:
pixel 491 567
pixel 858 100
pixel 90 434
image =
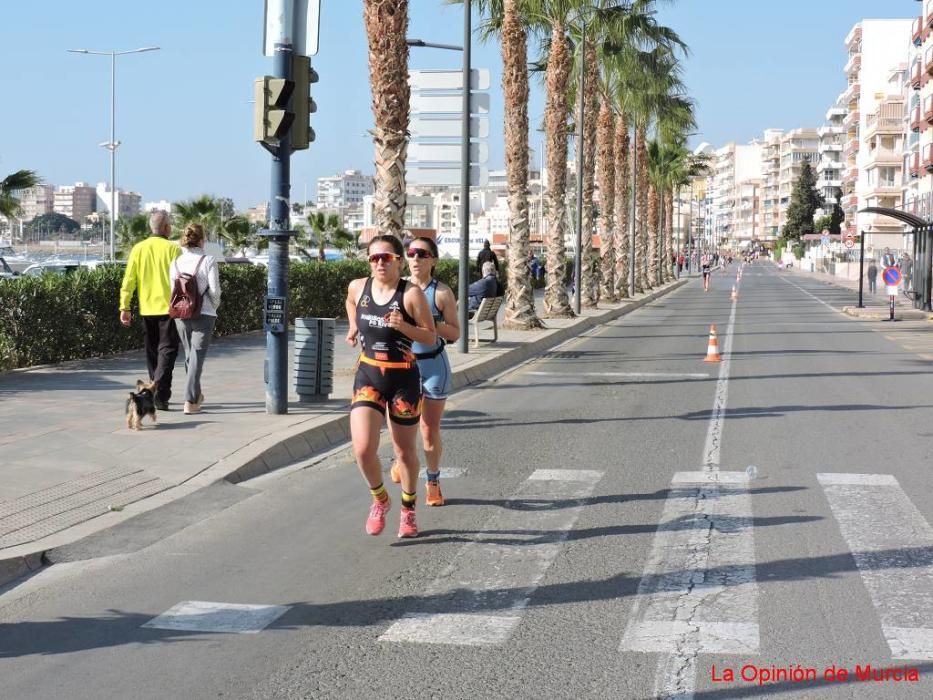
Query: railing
pixel 928 156
pixel 916 75
pixel 916 34
pixel 915 120
pixel 915 164
pixel 929 14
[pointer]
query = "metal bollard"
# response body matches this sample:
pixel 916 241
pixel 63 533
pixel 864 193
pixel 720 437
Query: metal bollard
pixel 314 358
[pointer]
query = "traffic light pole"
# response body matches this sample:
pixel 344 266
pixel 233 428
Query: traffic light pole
pixel 278 235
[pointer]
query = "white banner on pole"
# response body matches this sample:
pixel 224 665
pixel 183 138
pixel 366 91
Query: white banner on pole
pixel 453 104
pixel 439 79
pixel 447 127
pixel 446 152
pixel 295 21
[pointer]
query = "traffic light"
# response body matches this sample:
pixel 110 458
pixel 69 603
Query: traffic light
pixel 271 117
pixel 303 105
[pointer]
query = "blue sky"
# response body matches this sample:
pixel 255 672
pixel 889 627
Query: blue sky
pixel 185 121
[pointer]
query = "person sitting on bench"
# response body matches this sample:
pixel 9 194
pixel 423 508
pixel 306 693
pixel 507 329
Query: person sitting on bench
pixel 486 287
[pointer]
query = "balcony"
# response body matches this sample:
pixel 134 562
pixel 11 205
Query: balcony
pixel 929 13
pixel 826 184
pixel 854 63
pixel 885 125
pixel 884 188
pixel 916 75
pixel 915 120
pixel 852 118
pixel 884 156
pixel 916 33
pixel 914 165
pixel 854 35
pixel 928 157
pixel 928 109
pixel 852 92
pixel 851 147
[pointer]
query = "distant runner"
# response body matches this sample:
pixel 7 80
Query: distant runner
pixel 704 266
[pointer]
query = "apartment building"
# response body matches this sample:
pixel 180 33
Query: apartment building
pixel 75 201
pixel 770 177
pixel 126 203
pixel 797 146
pixel 918 161
pixel 346 189
pixel 830 165
pixel 734 191
pixel 874 47
pixel 36 201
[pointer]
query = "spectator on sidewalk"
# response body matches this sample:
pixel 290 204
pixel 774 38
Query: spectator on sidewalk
pixel 888 259
pixel 195 333
pixel 906 265
pixel 872 275
pixel 534 267
pixel 486 287
pixel 487 255
pixel 147 275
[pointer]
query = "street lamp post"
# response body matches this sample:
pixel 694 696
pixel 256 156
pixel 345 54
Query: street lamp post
pixel 112 144
pixel 464 267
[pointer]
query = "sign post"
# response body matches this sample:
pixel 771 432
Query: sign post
pixel 861 267
pixel 892 278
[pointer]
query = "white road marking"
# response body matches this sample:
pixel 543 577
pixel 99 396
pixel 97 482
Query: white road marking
pixel 828 306
pixel 633 375
pixel 202 616
pixel 892 544
pixel 476 599
pixel 698 593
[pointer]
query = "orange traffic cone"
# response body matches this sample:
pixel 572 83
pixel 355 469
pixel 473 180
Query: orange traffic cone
pixel 734 293
pixel 712 350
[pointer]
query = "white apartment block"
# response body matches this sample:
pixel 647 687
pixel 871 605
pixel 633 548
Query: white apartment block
pixel 830 165
pixel 918 190
pixel 797 146
pixel 75 201
pixel 770 185
pixel 161 205
pixel 343 190
pixel 875 47
pixel 734 191
pixel 126 203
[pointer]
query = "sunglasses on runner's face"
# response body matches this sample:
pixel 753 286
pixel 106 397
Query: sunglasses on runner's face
pixel 383 257
pixel 420 253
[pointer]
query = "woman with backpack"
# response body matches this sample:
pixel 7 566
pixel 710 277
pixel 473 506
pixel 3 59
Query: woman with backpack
pixel 195 284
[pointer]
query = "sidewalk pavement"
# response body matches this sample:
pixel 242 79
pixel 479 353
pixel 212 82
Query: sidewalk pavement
pixel 876 305
pixel 71 467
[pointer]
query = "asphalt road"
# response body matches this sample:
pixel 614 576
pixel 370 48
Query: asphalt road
pixel 602 537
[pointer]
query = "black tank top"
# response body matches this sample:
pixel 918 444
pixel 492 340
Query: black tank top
pixel 378 341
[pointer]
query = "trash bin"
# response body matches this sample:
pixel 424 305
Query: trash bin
pixel 314 358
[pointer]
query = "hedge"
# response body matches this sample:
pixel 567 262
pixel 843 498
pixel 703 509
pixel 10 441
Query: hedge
pixel 54 318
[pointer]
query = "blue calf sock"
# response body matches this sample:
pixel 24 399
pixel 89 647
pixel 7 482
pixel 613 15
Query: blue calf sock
pixel 433 476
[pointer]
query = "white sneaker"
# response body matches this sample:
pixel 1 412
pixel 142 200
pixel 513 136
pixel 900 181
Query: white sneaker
pixel 191 408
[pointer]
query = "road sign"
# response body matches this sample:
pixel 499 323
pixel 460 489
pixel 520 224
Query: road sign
pixel 439 79
pixel 891 277
pixel 850 242
pixel 301 20
pixel 448 153
pixel 422 102
pixel 444 127
pixel 448 174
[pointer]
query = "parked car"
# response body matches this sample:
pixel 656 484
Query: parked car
pixel 6 272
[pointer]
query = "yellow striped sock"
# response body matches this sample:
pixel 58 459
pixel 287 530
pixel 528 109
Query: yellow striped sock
pixel 408 499
pixel 379 493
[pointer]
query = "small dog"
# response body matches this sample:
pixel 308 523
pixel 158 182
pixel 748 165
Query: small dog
pixel 141 404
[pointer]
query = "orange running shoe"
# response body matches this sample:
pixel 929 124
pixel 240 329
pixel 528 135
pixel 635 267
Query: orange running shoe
pixel 376 521
pixel 434 496
pixel 394 473
pixel 407 527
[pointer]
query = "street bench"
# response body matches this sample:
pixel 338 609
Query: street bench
pixel 488 308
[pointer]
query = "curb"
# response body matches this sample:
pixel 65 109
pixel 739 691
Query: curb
pixel 288 446
pixel 883 314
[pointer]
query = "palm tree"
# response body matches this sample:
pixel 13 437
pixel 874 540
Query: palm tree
pixel 327 231
pixel 605 167
pixel 588 190
pixel 386 31
pixel 504 18
pixel 204 210
pixel 131 230
pixel 20 180
pixel 238 232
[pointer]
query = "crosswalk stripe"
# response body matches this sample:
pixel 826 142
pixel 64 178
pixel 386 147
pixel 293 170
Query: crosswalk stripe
pixel 892 544
pixel 490 576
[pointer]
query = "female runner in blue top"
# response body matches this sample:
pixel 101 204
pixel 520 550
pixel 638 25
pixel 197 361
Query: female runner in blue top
pixel 432 360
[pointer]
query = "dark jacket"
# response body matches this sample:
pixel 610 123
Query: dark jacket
pixel 481 289
pixel 484 255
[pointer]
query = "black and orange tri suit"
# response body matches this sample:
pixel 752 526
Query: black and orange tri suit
pixel 387 376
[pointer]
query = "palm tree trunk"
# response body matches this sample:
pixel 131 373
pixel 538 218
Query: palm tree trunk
pixel 642 282
pixel 387 29
pixel 556 302
pixel 590 117
pixel 623 188
pixel 653 212
pixel 520 300
pixel 669 239
pixel 605 167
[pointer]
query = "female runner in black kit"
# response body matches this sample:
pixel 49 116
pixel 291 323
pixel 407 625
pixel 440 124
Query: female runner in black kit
pixel 386 314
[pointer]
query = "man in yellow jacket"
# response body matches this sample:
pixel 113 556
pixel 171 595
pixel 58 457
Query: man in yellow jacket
pixel 146 273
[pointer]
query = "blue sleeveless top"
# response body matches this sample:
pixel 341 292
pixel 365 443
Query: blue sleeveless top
pixel 429 292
